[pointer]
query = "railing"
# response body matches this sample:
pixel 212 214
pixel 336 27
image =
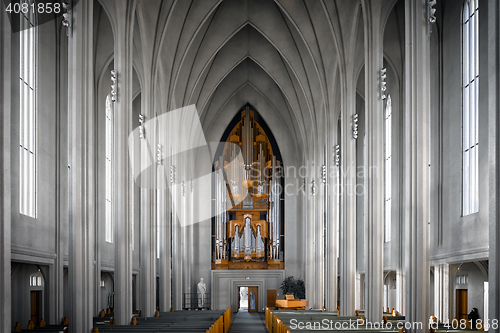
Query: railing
pixel 274 324
pixel 222 324
pixel 192 301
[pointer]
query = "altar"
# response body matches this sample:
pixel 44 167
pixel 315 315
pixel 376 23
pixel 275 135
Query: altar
pixel 290 303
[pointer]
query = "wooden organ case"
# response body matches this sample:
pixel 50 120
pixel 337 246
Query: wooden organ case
pixel 247 229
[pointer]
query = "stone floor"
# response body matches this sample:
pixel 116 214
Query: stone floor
pixel 248 322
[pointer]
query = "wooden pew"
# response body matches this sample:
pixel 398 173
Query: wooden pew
pixel 43 327
pixel 180 321
pixel 281 321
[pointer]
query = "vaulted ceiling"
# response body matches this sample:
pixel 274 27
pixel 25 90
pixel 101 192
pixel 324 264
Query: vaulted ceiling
pixel 281 57
pixel 287 58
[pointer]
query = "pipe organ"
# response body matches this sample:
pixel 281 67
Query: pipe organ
pixel 247 200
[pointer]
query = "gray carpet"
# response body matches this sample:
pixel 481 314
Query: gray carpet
pixel 248 322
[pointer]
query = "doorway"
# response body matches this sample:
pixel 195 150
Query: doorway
pixel 248 299
pixel 461 305
pixel 243 299
pixel 36 307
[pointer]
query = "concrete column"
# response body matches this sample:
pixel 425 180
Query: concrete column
pixel 56 282
pixel 442 292
pixel 177 282
pixel 186 227
pixel 348 220
pixel 416 161
pixel 5 181
pixel 81 285
pixel 165 244
pixel 314 235
pixel 359 301
pixel 122 128
pixel 147 274
pixel 190 240
pixel 310 235
pixel 331 232
pixel 494 156
pixel 319 220
pixel 400 288
pixel 148 193
pixel 147 253
pixel 374 222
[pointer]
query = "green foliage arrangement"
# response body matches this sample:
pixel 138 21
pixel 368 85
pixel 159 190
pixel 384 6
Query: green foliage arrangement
pixel 297 287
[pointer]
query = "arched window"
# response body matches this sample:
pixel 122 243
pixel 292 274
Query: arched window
pixel 28 46
pixel 388 168
pixel 470 98
pixel 109 169
pixel 36 280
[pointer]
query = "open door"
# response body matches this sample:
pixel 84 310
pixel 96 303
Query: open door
pixel 36 307
pixel 461 305
pixel 253 299
pixel 239 299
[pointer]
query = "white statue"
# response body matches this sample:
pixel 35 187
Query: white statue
pixel 202 288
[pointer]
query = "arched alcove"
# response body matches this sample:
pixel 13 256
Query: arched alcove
pixel 248 227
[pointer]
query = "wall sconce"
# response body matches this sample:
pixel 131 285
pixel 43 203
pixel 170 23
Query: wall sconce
pixel 383 83
pixel 114 85
pixel 355 126
pixel 172 174
pixel 65 22
pixel 159 155
pixel 432 11
pixel 142 134
pixel 337 155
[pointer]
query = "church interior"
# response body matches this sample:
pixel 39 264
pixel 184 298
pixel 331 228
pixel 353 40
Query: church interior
pixel 196 158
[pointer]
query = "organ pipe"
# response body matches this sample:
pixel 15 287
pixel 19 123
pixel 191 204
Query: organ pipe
pixel 247 195
pixel 274 211
pixel 248 240
pixel 247 139
pixel 237 241
pixel 258 245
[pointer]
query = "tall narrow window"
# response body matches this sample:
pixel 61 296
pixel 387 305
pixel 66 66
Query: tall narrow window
pixel 338 161
pixel 27 113
pixel 159 198
pixel 132 212
pixel 388 168
pixel 109 170
pixel 470 96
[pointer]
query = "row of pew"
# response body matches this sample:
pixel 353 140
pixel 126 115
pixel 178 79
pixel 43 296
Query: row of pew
pixel 30 327
pixel 286 321
pixel 283 321
pixel 206 321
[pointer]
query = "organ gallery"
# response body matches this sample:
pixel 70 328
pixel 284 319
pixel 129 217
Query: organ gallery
pixel 248 227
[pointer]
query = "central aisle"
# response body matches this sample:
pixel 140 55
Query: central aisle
pixel 248 322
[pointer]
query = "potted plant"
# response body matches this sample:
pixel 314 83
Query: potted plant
pixel 293 286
